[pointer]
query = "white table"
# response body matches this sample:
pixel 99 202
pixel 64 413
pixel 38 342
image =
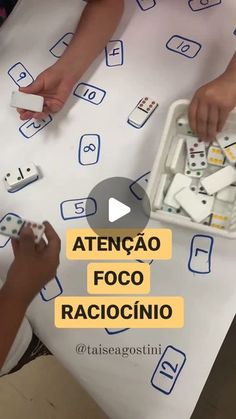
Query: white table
pixel 121 386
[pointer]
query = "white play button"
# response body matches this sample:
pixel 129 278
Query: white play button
pixel 116 210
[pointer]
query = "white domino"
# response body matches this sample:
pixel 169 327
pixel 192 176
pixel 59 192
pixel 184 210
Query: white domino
pixel 192 173
pixel 162 186
pixel 16 178
pixel 227 194
pixel 227 142
pixel 11 226
pixel 215 156
pixel 219 180
pixel 142 112
pixel 196 153
pixel 27 101
pixel 183 125
pixel 179 182
pixel 197 206
pixel 179 156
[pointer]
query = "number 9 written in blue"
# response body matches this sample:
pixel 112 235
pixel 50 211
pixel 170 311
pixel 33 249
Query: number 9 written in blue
pixel 89 149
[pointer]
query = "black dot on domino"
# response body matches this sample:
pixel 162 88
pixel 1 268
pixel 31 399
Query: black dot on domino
pixel 8 174
pixel 193 164
pixel 3 228
pixel 28 170
pixel 19 221
pixel 8 219
pixel 226 138
pixel 204 202
pixel 203 163
pixel 14 231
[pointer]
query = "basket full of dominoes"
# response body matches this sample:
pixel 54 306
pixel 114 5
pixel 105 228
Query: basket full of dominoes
pixel 193 183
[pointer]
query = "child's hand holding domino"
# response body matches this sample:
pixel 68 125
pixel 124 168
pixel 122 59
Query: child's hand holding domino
pixel 34 264
pixel 96 26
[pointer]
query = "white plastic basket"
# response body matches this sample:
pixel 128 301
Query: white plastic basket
pixel 177 109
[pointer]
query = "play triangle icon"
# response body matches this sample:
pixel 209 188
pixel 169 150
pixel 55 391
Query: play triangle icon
pixel 117 210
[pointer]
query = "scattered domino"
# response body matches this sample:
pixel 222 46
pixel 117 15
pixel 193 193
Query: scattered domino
pixel 215 156
pixel 139 116
pixel 192 173
pixel 27 101
pixel 196 153
pixel 227 194
pixel 197 206
pixel 170 210
pixel 175 212
pixel 179 182
pixel 227 142
pixel 219 180
pixel 160 192
pixel 178 160
pixel 219 221
pixel 209 194
pixel 183 125
pixel 11 226
pixel 16 178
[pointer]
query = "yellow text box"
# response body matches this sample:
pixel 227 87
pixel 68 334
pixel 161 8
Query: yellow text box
pixel 119 312
pixel 118 278
pixel 111 244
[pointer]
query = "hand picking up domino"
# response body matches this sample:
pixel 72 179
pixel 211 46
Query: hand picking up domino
pixel 199 179
pixel 12 225
pixel 27 101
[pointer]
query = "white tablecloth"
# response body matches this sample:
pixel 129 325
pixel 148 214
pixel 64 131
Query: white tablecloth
pixel 156 64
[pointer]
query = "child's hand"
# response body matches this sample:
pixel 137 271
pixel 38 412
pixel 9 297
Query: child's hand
pixel 55 86
pixel 34 265
pixel 211 105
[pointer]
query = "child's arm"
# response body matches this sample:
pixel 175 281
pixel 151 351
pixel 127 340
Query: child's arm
pixel 33 266
pixel 97 24
pixel 212 103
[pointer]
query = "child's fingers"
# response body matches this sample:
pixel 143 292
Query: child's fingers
pixel 202 118
pixel 212 122
pixel 40 115
pixel 25 115
pixel 34 87
pixel 54 242
pixel 223 114
pixel 41 245
pixel 53 105
pixel 15 245
pixel 27 239
pixel 192 115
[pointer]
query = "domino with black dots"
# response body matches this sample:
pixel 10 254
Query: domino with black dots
pixel 11 226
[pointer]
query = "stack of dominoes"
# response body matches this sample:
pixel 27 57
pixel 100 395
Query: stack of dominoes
pixel 199 182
